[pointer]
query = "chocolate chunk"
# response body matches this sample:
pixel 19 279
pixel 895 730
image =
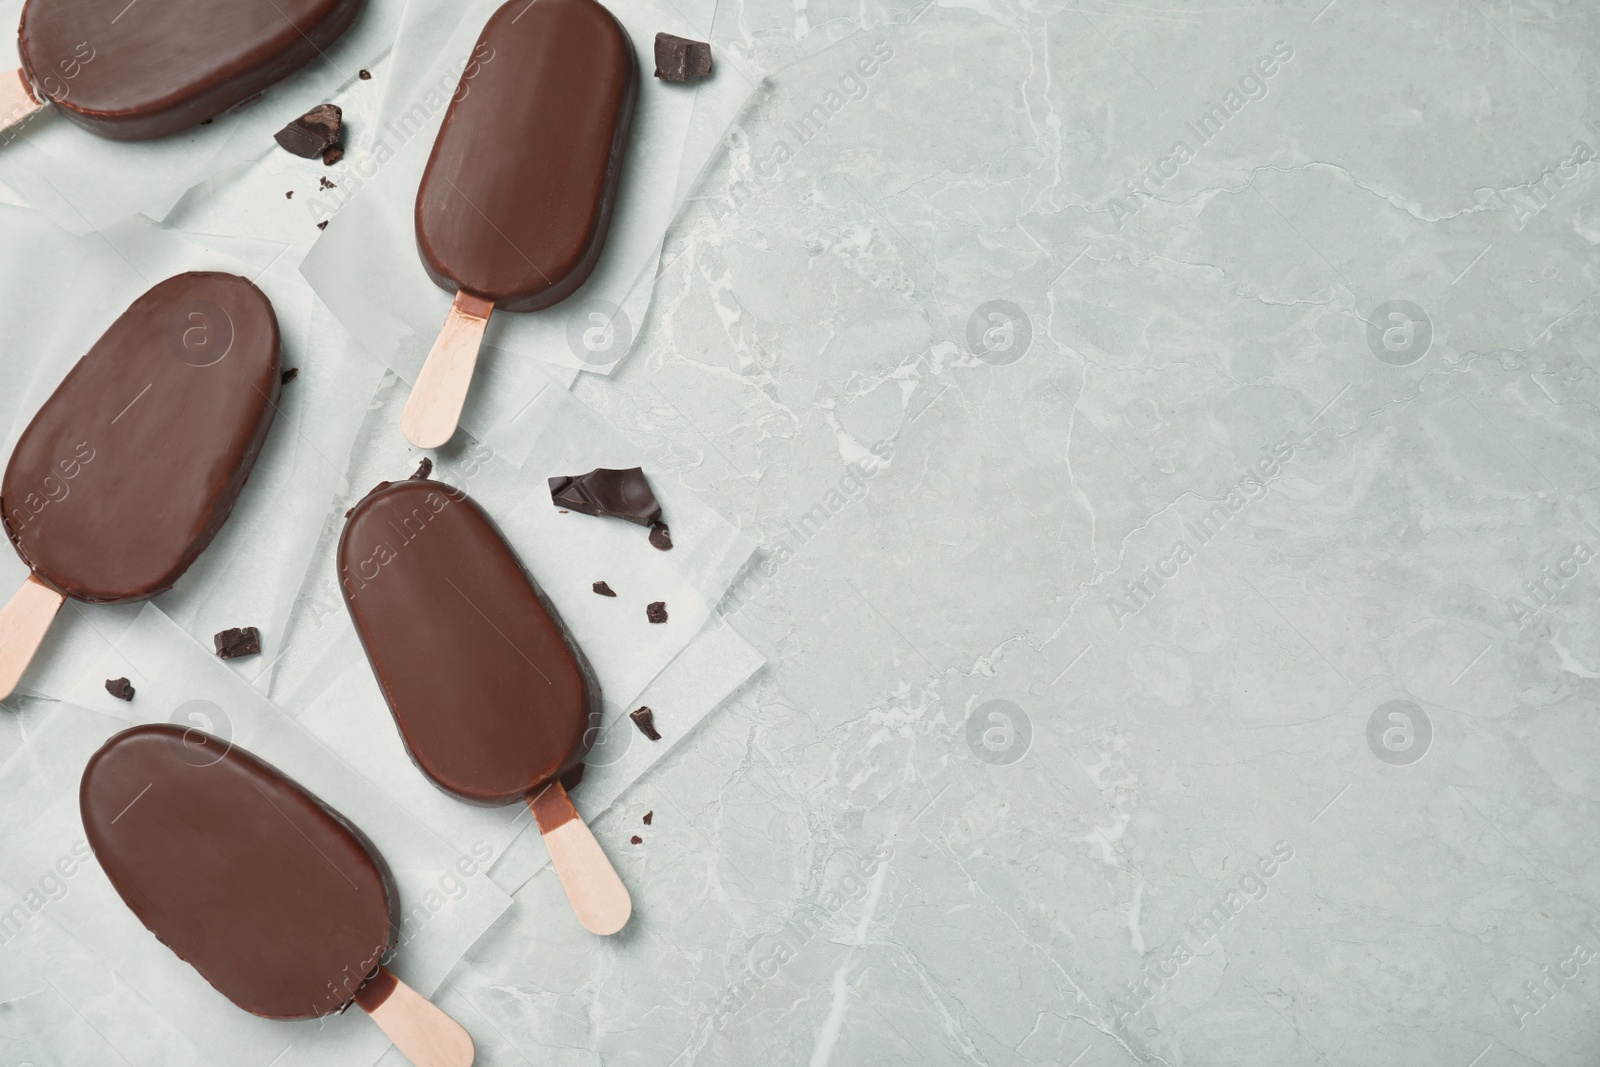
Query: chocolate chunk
pixel 648 816
pixel 656 611
pixel 365 75
pixel 289 195
pixel 119 688
pixel 332 156
pixel 323 225
pixel 570 780
pixel 678 59
pixel 313 133
pixel 241 641
pixel 660 536
pixel 645 720
pixel 289 375
pixel 424 469
pixel 636 839
pixel 603 589
pixel 621 494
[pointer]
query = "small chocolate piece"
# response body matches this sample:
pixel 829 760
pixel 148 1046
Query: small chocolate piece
pixel 621 494
pixel 323 225
pixel 570 780
pixel 424 469
pixel 289 375
pixel 119 688
pixel 660 536
pixel 645 720
pixel 636 839
pixel 656 611
pixel 365 75
pixel 325 184
pixel 313 133
pixel 679 59
pixel 648 816
pixel 289 195
pixel 603 589
pixel 332 155
pixel 240 641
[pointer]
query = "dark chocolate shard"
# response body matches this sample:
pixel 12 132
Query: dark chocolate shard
pixel 365 75
pixel 649 816
pixel 621 494
pixel 323 225
pixel 656 611
pixel 679 59
pixel 240 641
pixel 603 589
pixel 645 720
pixel 313 133
pixel 289 375
pixel 424 469
pixel 660 536
pixel 332 155
pixel 119 688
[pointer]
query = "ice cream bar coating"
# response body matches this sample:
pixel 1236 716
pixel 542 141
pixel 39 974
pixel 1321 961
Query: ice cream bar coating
pixel 136 71
pixel 491 695
pixel 134 462
pixel 272 896
pixel 517 195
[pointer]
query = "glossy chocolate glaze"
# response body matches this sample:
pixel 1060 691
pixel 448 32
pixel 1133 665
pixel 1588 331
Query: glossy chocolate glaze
pixel 136 72
pixel 517 196
pixel 490 693
pixel 133 464
pixel 271 895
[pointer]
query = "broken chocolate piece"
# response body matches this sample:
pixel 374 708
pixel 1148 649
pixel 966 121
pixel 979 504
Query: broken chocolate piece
pixel 424 469
pixel 119 688
pixel 636 839
pixel 289 375
pixel 603 589
pixel 648 816
pixel 645 720
pixel 324 184
pixel 365 75
pixel 679 59
pixel 570 780
pixel 313 133
pixel 332 156
pixel 323 225
pixel 656 611
pixel 240 641
pixel 621 494
pixel 660 536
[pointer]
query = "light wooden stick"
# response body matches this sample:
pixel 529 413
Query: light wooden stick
pixel 596 893
pixel 426 1035
pixel 23 623
pixel 434 407
pixel 17 101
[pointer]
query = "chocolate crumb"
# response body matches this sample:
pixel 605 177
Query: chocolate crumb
pixel 660 536
pixel 119 688
pixel 648 816
pixel 656 611
pixel 424 469
pixel 240 641
pixel 323 225
pixel 365 75
pixel 289 375
pixel 636 839
pixel 324 183
pixel 603 589
pixel 313 133
pixel 679 59
pixel 332 156
pixel 570 780
pixel 645 720
pixel 289 195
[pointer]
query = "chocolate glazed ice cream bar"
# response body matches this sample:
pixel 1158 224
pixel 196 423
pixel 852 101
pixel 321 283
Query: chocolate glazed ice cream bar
pixel 492 697
pixel 133 464
pixel 514 205
pixel 275 898
pixel 132 72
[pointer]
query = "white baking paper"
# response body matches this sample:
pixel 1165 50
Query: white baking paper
pixel 83 183
pixel 447 899
pixel 366 268
pixel 252 570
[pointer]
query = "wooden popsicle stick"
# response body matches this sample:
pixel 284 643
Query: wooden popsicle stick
pixel 23 623
pixel 419 1029
pixel 17 101
pixel 596 893
pixel 434 407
